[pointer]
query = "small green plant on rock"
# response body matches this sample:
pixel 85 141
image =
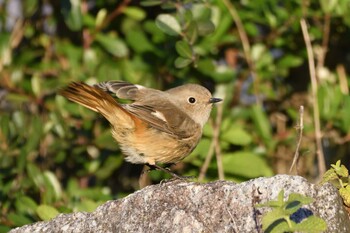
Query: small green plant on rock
pixel 338 175
pixel 285 215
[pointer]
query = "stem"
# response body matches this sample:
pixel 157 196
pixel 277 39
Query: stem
pixel 117 11
pixel 208 158
pixel 217 142
pixel 325 41
pixel 287 218
pixel 215 145
pixel 300 127
pixel 314 87
pixel 246 47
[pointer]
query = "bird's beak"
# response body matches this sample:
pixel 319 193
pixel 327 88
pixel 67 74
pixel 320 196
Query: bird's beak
pixel 214 100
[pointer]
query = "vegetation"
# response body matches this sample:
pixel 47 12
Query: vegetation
pixel 265 58
pixel 338 175
pixel 283 216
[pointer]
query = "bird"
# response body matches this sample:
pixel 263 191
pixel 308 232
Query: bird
pixel 157 127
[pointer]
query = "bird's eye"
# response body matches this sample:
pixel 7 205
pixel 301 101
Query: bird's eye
pixel 191 100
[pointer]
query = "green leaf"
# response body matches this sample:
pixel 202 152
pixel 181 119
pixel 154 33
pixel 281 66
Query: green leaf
pixel 280 197
pixel 46 212
pixel 271 18
pixel 25 204
pixel 344 115
pixel 343 171
pixel 90 59
pixel 4 229
pixel 328 5
pixel 278 219
pixel 246 164
pixel 208 130
pixel 168 24
pixel 106 141
pixel 192 32
pixel 18 219
pixel 52 181
pixel 272 218
pixel 252 29
pixel 311 224
pixel 304 200
pixel 35 175
pixel 292 206
pixel 220 73
pixel 273 203
pixel 151 2
pixel 281 225
pixel 329 175
pixel 289 61
pixel 258 51
pixel 345 194
pixel 135 13
pixel 36 84
pixel 109 166
pixel 139 42
pixel 261 123
pixel 295 201
pixel 329 99
pixel 29 7
pixel 340 169
pixel 101 16
pixel 183 49
pixel 205 27
pixel 201 11
pixel 181 62
pixel 206 66
pixel 202 148
pixel 156 35
pixel 113 45
pixel 73 16
pixel 87 205
pixel 236 135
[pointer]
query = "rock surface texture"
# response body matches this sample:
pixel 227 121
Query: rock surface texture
pixel 179 206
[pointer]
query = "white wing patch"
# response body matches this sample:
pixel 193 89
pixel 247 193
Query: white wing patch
pixel 159 115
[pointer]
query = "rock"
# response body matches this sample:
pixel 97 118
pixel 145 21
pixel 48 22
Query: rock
pixel 179 206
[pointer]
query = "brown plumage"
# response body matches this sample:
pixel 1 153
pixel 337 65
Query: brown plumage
pixel 158 127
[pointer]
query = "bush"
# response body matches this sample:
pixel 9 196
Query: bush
pixel 56 156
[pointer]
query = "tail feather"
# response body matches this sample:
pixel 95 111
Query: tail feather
pixel 97 100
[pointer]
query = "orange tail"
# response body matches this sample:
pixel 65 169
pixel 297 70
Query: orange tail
pixel 98 101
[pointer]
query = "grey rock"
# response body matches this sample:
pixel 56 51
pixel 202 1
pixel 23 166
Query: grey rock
pixel 220 206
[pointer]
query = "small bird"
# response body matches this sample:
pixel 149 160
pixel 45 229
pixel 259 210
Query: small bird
pixel 157 127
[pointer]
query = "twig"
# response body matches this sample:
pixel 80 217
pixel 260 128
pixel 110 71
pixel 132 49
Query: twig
pixel 343 81
pixel 117 11
pixel 300 127
pixel 325 41
pixel 246 47
pixel 217 142
pixel 88 36
pixel 214 145
pixel 318 135
pixel 207 161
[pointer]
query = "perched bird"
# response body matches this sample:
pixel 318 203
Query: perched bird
pixel 157 127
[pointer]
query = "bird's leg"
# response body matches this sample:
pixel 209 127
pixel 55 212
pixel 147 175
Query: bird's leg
pixel 167 170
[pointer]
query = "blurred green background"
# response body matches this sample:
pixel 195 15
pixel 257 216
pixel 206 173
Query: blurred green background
pixel 58 157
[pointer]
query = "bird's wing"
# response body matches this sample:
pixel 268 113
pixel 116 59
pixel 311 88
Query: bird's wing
pixel 162 115
pixel 123 90
pixel 165 117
